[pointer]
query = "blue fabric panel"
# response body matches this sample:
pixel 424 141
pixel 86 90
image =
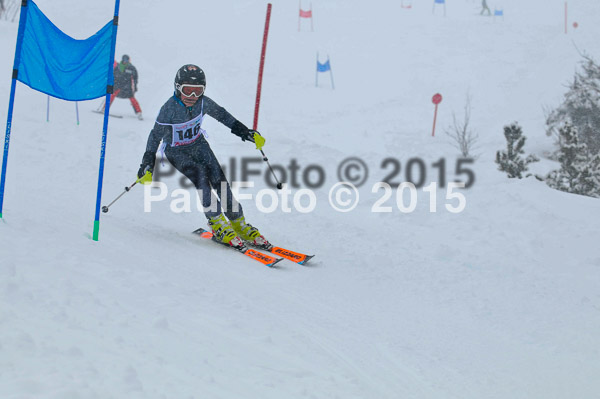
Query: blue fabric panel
pixel 56 64
pixel 323 67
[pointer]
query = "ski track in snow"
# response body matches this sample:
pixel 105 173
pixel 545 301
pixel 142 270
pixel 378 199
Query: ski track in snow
pixel 498 301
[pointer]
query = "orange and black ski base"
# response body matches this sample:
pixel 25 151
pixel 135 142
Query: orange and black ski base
pixel 296 257
pixel 265 259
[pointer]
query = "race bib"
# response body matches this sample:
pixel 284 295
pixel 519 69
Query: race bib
pixel 187 132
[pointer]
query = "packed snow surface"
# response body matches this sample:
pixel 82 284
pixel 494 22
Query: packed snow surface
pixel 500 300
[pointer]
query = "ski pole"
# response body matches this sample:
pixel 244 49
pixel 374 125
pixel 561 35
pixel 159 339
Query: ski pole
pixel 105 208
pixel 101 107
pixel 279 185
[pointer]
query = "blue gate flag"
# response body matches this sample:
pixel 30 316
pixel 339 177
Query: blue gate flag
pixel 48 60
pixel 56 64
pixel 326 67
pixel 323 67
pixel 439 2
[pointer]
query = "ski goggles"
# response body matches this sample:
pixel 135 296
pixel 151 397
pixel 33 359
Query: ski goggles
pixel 191 90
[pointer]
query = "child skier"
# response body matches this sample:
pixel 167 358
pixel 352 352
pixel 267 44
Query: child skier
pixel 179 126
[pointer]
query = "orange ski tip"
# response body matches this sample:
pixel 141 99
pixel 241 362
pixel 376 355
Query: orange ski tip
pixel 290 255
pixel 206 234
pixel 259 256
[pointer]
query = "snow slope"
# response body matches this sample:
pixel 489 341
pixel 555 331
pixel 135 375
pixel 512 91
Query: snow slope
pixel 498 301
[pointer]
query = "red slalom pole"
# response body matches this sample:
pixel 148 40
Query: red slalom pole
pixel 259 87
pixel 262 66
pixel 434 120
pixel 437 99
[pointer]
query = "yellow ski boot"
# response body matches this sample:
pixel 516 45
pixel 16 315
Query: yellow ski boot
pixel 224 233
pixel 249 233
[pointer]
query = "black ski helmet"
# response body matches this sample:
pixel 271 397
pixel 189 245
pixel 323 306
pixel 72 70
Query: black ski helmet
pixel 125 58
pixel 189 74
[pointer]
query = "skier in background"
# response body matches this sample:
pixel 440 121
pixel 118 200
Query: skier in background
pixel 125 86
pixel 178 125
pixel 2 9
pixel 484 7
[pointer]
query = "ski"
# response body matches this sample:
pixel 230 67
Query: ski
pixel 266 260
pixel 102 112
pixel 296 257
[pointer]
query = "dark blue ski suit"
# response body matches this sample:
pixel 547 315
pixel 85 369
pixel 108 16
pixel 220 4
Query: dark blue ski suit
pixel 179 127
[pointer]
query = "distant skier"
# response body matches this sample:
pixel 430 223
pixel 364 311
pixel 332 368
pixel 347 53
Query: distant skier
pixel 484 7
pixel 179 126
pixel 125 86
pixel 2 9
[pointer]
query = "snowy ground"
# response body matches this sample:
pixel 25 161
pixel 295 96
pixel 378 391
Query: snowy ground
pixel 498 301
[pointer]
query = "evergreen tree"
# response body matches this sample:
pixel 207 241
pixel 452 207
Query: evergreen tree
pixel 511 160
pixel 579 173
pixel 581 106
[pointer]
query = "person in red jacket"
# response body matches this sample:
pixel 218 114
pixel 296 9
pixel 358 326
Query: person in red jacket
pixel 126 81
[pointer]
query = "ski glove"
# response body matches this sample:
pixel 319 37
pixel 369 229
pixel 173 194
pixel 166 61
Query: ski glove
pixel 146 167
pixel 240 130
